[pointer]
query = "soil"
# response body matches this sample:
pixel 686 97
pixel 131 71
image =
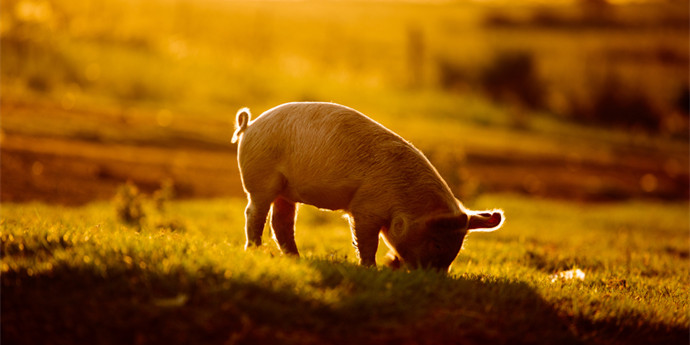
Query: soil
pixel 73 172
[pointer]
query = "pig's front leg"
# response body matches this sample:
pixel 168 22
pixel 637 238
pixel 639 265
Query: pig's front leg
pixel 255 219
pixel 365 238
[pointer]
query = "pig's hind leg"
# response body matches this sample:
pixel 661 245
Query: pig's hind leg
pixel 255 219
pixel 283 225
pixel 262 189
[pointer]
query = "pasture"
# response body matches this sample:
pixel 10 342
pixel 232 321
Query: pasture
pixel 571 117
pixel 73 275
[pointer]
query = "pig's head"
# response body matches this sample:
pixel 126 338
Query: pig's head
pixel 435 242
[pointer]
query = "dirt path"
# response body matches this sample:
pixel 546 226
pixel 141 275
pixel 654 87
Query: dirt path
pixel 76 172
pixel 59 170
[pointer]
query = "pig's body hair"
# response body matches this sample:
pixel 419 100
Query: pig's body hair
pixel 334 157
pixel 335 147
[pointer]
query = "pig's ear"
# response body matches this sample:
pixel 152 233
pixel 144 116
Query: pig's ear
pixel 449 223
pixel 399 225
pixel 486 221
pixel 398 229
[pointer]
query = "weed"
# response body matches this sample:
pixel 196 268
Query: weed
pixel 128 204
pixel 138 209
pixel 164 195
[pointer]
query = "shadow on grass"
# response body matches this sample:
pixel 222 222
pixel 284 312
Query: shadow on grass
pixel 424 307
pixel 354 305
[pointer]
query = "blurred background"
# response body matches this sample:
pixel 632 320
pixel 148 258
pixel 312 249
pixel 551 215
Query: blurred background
pixel 584 100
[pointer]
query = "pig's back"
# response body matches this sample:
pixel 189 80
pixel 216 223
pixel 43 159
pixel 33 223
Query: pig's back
pixel 326 149
pixel 314 133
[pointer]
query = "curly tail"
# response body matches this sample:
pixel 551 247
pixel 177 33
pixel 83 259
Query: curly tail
pixel 241 124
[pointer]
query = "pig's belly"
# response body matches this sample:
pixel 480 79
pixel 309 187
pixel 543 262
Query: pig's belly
pixel 332 197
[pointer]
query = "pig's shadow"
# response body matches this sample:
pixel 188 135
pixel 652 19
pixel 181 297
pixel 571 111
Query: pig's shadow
pixel 437 309
pixel 339 303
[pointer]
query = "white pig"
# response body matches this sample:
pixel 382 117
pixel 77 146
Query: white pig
pixel 334 157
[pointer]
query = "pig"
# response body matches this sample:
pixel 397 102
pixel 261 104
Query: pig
pixel 336 158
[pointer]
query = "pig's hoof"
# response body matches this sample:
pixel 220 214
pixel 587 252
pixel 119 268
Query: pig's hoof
pixel 251 245
pixel 392 261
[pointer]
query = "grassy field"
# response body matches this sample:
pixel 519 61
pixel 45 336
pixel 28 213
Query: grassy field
pixel 79 275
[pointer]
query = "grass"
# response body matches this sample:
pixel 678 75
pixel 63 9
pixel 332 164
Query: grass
pixel 74 275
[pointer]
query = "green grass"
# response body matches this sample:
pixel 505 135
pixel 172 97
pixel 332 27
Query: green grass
pixel 77 275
